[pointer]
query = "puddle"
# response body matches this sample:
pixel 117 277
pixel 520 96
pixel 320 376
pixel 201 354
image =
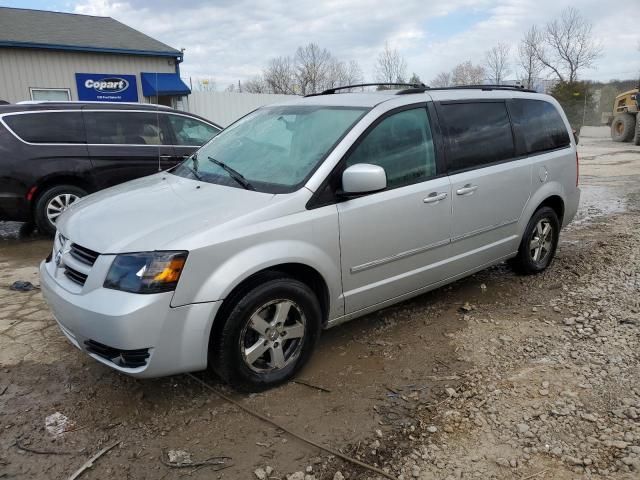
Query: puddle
pixel 597 201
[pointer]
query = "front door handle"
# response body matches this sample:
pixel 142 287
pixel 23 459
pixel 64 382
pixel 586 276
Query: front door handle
pixel 467 189
pixel 435 197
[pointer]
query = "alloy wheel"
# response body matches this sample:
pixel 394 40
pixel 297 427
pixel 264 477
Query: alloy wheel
pixel 273 336
pixel 542 241
pixel 59 204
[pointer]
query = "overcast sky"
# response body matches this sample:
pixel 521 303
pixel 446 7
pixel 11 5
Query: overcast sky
pixel 231 40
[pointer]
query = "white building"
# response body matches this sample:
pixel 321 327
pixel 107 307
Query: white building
pixel 61 56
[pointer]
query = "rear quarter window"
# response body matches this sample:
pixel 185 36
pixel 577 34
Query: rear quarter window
pixel 48 127
pixel 538 126
pixel 476 134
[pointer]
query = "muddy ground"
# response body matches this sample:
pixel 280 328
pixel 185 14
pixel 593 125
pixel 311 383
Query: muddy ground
pixel 495 376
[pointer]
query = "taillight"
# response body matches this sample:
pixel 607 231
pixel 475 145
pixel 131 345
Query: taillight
pixel 577 168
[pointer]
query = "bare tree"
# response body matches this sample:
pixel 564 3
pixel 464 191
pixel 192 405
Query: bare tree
pixel 280 76
pixel 391 66
pixel 415 79
pixel 313 65
pixel 341 74
pixel 467 73
pixel 257 84
pixel 527 57
pixel 568 45
pixel 443 79
pixel 497 63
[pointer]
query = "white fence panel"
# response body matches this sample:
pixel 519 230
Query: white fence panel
pixel 224 108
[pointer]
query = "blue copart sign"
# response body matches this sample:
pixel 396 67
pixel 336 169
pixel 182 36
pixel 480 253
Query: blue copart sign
pixel 104 87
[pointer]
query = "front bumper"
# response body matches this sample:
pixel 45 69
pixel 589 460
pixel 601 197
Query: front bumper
pixel 177 338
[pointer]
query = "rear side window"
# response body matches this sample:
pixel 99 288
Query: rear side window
pixel 189 131
pixel 125 128
pixel 401 144
pixel 538 125
pixel 476 134
pixel 48 127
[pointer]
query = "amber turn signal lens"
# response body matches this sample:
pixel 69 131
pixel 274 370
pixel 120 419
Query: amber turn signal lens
pixel 171 273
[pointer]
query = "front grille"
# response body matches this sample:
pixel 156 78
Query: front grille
pixel 122 358
pixel 75 276
pixel 83 254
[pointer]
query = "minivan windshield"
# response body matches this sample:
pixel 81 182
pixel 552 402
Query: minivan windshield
pixel 273 150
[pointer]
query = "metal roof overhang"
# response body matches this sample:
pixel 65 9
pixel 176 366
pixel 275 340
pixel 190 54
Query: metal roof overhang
pixel 80 48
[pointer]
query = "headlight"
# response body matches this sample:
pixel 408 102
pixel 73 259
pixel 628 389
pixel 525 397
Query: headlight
pixel 148 272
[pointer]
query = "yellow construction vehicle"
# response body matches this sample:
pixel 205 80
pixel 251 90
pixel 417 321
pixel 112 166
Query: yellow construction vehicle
pixel 624 122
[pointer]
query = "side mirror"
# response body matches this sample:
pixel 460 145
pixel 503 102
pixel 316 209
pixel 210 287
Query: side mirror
pixel 363 178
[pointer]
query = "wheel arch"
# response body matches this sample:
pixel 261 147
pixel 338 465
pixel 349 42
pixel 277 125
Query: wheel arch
pixel 550 195
pixel 298 271
pixel 51 181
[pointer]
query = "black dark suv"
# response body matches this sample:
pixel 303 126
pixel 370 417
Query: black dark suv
pixel 53 153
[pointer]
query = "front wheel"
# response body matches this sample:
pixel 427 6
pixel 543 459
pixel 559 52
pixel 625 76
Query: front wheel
pixel 268 335
pixel 539 242
pixel 51 203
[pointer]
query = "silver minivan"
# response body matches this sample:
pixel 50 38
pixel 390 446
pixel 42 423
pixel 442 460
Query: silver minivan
pixel 306 214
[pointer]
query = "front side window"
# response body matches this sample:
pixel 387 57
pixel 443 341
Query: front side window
pixel 401 144
pixel 191 132
pixel 274 149
pixel 48 127
pixel 539 125
pixel 125 128
pixel 476 134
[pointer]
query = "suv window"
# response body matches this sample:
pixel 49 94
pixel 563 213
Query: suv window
pixel 189 131
pixel 401 144
pixel 538 125
pixel 125 128
pixel 476 134
pixel 49 127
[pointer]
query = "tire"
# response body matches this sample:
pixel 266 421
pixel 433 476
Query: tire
pixel 51 203
pixel 256 355
pixel 525 262
pixel 623 127
pixel 636 137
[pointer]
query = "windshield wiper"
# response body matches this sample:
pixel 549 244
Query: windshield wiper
pixel 237 176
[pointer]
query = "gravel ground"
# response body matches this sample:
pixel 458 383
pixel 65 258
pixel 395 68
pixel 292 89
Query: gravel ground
pixel 496 376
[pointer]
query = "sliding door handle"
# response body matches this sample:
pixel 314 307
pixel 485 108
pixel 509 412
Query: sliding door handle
pixel 467 189
pixel 435 197
pixel 166 157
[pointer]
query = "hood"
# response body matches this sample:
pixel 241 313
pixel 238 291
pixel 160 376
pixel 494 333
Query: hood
pixel 152 212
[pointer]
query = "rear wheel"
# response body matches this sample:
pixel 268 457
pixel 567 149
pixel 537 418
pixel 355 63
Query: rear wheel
pixel 623 127
pixel 636 138
pixel 539 242
pixel 268 335
pixel 52 202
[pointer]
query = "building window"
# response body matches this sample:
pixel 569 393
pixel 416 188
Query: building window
pixel 53 94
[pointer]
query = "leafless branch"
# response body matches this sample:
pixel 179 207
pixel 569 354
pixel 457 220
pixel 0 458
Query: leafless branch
pixel 497 62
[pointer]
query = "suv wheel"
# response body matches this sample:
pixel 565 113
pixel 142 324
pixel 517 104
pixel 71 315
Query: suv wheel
pixel 268 335
pixel 51 203
pixel 539 243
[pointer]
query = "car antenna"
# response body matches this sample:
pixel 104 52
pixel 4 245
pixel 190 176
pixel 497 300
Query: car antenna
pixel 158 126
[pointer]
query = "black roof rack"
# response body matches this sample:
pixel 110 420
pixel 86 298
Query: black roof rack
pixel 331 91
pixel 482 87
pixel 421 88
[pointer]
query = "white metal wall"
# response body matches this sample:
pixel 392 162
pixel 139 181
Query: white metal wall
pixel 224 108
pixel 21 68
